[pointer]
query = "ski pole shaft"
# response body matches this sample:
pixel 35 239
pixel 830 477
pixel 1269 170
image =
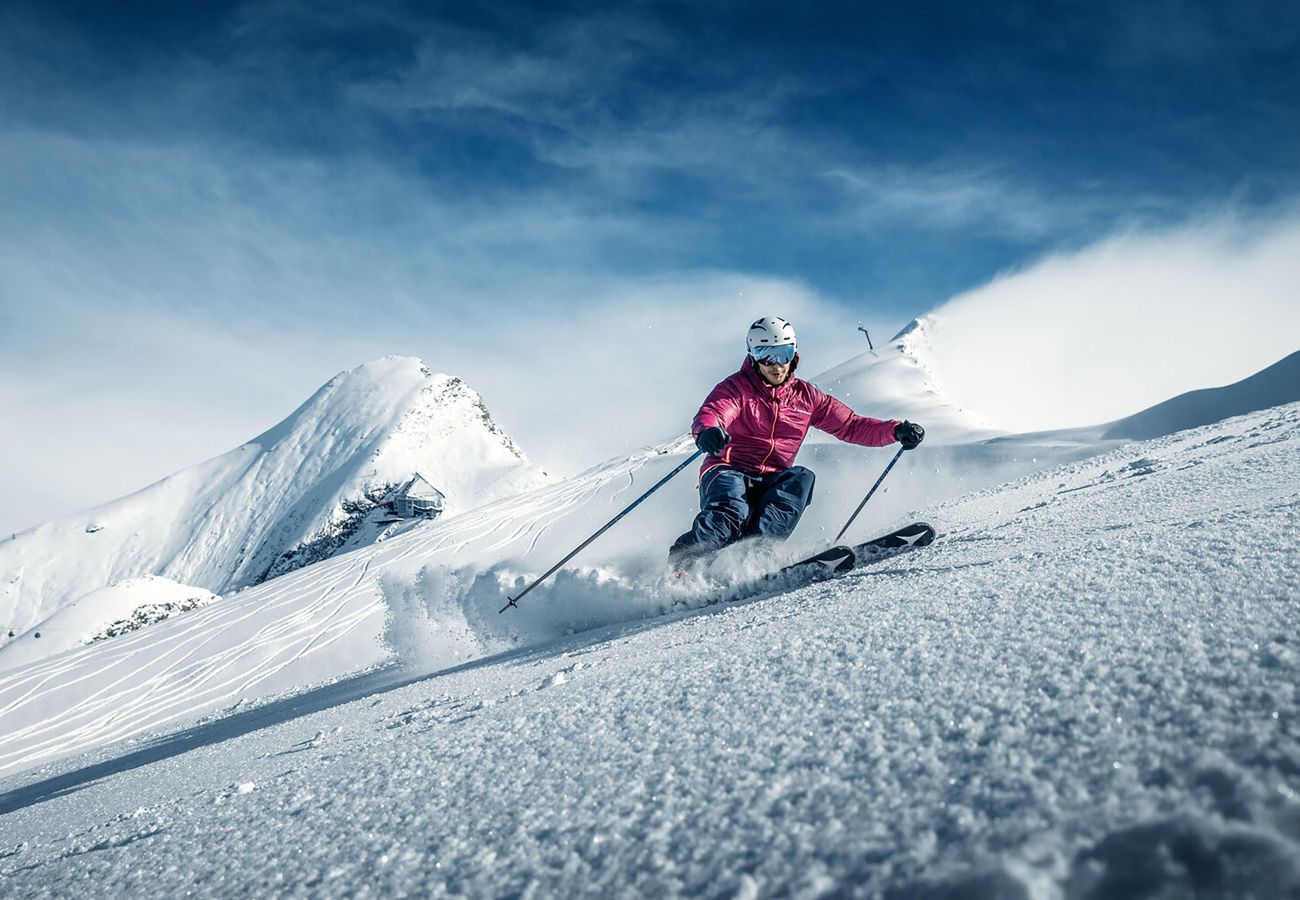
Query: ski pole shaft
pixel 578 549
pixel 869 493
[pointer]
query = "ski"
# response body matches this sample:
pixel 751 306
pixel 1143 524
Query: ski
pixel 918 534
pixel 830 563
pixel 840 559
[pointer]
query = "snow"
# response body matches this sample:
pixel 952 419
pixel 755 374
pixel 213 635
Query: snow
pixel 300 492
pixel 428 594
pixel 1096 333
pixel 306 489
pixel 86 619
pixel 1274 386
pixel 431 594
pixel 900 381
pixel 1086 688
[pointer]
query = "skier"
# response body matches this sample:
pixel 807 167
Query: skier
pixel 751 427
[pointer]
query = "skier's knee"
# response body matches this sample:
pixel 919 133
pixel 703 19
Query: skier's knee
pixel 733 509
pixel 721 521
pixel 723 495
pixel 801 483
pixel 726 519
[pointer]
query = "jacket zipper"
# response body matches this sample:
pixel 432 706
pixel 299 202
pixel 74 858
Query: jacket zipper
pixel 776 416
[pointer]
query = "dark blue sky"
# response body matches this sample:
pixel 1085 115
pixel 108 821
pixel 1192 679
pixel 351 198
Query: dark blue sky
pixel 897 152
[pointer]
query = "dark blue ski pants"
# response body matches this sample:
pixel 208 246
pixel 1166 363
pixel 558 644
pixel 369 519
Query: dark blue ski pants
pixel 734 505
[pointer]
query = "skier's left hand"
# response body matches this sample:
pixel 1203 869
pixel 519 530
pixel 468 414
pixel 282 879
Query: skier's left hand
pixel 909 434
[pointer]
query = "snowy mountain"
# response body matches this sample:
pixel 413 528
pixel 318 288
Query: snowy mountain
pixel 900 381
pixel 1087 683
pixel 307 489
pixel 1085 689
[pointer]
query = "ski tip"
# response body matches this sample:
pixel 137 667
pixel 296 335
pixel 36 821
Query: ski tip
pixel 918 534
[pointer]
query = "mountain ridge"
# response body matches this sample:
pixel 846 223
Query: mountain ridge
pixel 297 493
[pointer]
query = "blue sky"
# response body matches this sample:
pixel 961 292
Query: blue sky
pixel 208 209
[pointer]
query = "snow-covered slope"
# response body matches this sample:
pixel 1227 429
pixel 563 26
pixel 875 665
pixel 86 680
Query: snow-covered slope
pixel 899 381
pixel 426 595
pixel 1086 689
pixel 1278 384
pixel 302 491
pixel 431 595
pixel 111 611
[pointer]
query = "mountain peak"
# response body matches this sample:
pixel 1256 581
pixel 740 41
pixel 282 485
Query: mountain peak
pixel 299 492
pixel 899 382
pixel 916 325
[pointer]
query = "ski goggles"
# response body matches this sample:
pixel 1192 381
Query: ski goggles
pixel 776 355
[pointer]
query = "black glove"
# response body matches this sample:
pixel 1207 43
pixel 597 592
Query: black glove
pixel 909 434
pixel 712 440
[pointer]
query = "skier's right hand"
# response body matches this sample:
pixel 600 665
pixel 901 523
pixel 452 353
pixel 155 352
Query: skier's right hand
pixel 712 439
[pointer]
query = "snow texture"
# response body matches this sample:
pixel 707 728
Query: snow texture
pixel 430 596
pixel 1085 689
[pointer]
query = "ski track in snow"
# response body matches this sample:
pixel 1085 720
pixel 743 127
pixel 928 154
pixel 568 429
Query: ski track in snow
pixel 167 686
pixel 1086 689
pixel 179 675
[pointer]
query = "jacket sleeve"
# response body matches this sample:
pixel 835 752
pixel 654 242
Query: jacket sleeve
pixel 834 417
pixel 721 407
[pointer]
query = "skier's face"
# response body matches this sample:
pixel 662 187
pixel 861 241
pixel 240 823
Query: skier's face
pixel 774 375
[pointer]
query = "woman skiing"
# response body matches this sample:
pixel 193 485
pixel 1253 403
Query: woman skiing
pixel 751 427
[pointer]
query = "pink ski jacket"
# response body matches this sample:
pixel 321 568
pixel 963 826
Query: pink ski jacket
pixel 768 424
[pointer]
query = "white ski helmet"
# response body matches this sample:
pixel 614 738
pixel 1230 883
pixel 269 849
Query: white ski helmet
pixel 769 331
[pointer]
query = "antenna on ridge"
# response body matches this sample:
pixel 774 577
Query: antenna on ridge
pixel 863 329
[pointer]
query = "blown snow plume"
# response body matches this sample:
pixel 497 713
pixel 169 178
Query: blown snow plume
pixel 305 490
pixel 901 381
pixel 1131 321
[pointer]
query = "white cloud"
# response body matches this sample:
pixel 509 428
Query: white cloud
pixel 164 297
pixel 630 366
pixel 194 300
pixel 1087 337
pixel 143 337
pixel 568 70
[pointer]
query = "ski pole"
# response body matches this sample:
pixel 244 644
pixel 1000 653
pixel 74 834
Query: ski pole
pixel 662 481
pixel 869 493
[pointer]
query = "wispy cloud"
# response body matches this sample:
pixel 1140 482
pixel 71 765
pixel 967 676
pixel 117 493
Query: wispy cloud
pixel 956 199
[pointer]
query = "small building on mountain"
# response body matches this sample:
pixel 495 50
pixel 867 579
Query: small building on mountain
pixel 418 498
